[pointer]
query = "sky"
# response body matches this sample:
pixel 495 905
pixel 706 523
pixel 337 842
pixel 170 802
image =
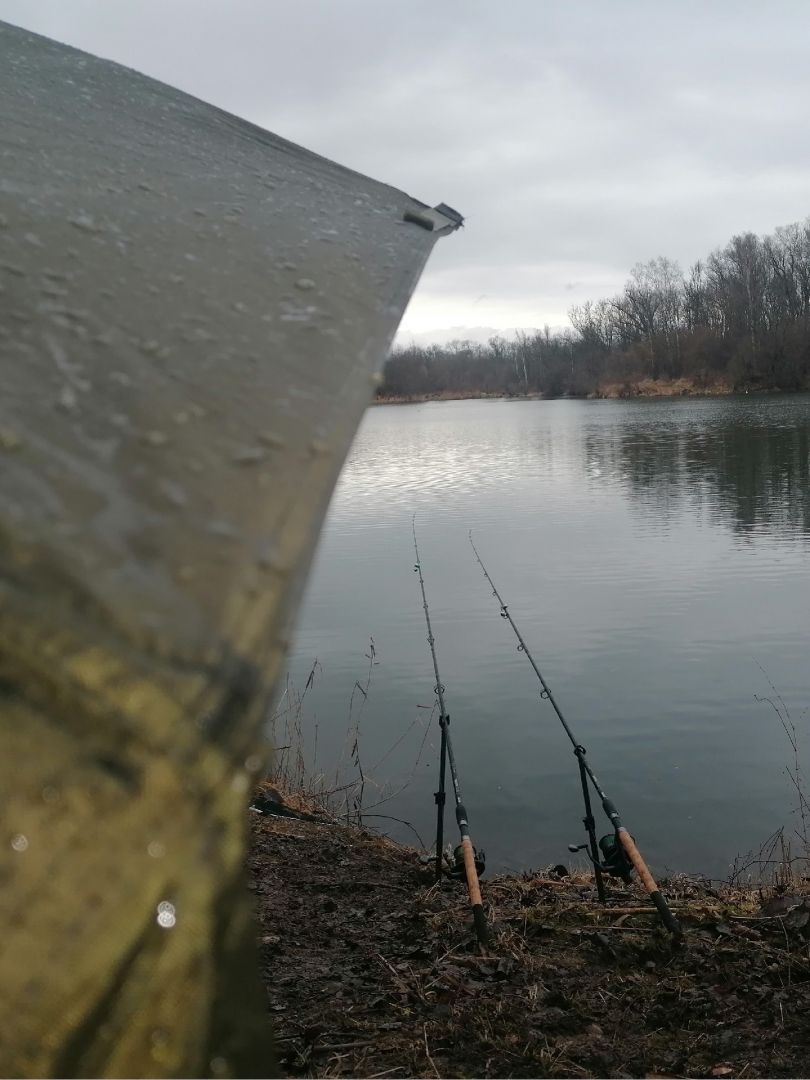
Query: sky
pixel 577 138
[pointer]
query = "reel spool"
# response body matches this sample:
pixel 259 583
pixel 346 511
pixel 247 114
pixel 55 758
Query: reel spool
pixel 457 862
pixel 614 858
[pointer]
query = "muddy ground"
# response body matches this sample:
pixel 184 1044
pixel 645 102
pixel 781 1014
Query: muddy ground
pixel 372 971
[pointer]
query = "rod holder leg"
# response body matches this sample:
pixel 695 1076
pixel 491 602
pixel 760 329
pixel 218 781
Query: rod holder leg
pixel 441 798
pixel 590 824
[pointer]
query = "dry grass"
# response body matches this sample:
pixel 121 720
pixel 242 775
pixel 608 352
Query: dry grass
pixel 682 387
pixel 373 970
pixel 347 789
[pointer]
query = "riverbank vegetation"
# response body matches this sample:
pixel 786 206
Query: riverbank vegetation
pixel 372 970
pixel 738 320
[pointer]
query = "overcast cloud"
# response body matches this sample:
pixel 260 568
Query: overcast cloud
pixel 577 138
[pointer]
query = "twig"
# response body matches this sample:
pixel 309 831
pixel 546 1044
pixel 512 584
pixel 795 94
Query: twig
pixel 402 821
pixel 635 910
pixel 540 881
pixel 599 929
pixel 790 959
pixel 427 1052
pixel 354 881
pixel 392 969
pixel 334 1048
pixel 755 918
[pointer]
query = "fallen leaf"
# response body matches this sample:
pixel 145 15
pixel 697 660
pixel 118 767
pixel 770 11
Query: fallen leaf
pixel 780 905
pixel 797 919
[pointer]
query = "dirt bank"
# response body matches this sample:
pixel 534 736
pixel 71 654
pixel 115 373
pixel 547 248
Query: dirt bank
pixel 630 388
pixel 471 395
pixel 371 971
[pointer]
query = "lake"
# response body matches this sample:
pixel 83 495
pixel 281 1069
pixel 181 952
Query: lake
pixel 654 555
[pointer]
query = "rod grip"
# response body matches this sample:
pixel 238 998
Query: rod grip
pixel 640 867
pixel 481 929
pixel 474 889
pixel 649 883
pixel 667 918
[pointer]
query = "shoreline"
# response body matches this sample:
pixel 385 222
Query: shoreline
pixel 371 968
pixel 613 391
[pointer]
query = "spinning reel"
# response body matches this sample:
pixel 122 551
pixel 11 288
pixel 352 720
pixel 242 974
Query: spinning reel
pixel 614 859
pixel 457 862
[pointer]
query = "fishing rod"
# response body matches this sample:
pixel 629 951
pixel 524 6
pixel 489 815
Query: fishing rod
pixel 620 854
pixel 468 854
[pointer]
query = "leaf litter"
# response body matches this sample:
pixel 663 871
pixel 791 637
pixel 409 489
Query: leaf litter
pixel 372 970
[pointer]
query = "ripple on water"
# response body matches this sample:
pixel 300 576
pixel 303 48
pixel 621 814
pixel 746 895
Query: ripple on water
pixel 655 556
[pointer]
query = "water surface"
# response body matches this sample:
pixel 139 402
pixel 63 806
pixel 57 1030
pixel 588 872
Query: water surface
pixel 655 557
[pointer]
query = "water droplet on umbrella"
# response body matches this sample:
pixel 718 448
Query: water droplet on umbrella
pixel 250 455
pixel 271 439
pixel 166 915
pixel 84 222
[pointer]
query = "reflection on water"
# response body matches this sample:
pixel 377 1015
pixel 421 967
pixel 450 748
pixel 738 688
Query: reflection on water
pixel 743 463
pixel 655 556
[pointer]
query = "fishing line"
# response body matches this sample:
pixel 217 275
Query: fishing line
pixel 447 755
pixel 619 852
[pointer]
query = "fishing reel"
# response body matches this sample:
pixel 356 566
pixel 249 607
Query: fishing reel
pixel 614 858
pixel 457 862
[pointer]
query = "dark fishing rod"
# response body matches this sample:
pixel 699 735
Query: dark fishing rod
pixel 447 755
pixel 618 856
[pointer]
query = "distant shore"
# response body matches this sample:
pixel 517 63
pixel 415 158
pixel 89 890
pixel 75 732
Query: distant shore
pixel 632 388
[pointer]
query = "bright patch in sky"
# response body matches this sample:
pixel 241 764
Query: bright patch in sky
pixel 577 139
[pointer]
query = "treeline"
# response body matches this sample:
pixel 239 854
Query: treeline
pixel 741 318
